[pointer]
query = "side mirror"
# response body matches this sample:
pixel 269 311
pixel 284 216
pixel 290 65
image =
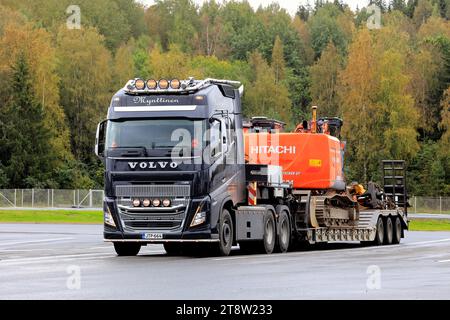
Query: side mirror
pixel 100 140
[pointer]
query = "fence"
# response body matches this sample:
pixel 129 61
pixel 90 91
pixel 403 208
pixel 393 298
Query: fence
pixel 57 198
pixel 429 205
pixel 51 198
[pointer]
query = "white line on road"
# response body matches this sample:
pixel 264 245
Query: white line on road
pixel 442 261
pixel 35 241
pixel 427 242
pixel 50 258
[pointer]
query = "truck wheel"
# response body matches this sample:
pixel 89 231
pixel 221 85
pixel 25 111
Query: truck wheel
pixel 127 249
pixel 284 233
pixel 173 249
pixel 379 237
pixel 397 231
pixel 270 232
pixel 388 231
pixel 226 234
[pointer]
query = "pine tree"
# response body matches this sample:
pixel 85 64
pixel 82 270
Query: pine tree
pixel 28 161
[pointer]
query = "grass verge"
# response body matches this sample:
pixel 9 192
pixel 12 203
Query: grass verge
pixel 51 216
pixel 429 225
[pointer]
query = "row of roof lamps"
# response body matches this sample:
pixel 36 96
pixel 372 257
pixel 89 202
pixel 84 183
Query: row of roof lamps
pixel 155 203
pixel 152 84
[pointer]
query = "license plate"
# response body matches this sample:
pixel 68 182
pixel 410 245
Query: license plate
pixel 152 236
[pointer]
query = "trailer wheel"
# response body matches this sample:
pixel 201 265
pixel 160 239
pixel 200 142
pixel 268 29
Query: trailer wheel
pixel 270 232
pixel 388 231
pixel 226 234
pixel 398 229
pixel 284 233
pixel 124 249
pixel 379 237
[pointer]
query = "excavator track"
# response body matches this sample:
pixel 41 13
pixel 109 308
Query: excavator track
pixel 323 213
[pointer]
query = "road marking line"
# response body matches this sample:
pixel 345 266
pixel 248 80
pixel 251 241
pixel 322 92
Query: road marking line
pixel 26 250
pixel 427 242
pixel 35 241
pixel 442 261
pixel 47 258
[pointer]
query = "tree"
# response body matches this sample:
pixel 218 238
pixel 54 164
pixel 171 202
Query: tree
pixel 266 97
pixel 212 38
pixel 379 114
pixel 399 5
pixel 36 45
pixel 123 68
pixel 422 12
pixel 212 67
pixel 25 150
pixel 303 34
pixel 84 69
pixel 324 81
pixel 278 64
pixel 185 25
pixel 171 64
pixel 324 27
pixel 303 12
pixel 357 85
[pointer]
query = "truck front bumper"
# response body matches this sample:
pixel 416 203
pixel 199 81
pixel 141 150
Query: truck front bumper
pixel 188 236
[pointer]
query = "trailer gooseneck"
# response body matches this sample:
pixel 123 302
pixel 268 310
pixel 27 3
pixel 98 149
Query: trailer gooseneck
pixel 183 169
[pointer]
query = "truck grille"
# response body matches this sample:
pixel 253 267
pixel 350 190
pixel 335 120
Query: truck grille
pixel 148 219
pixel 153 191
pixel 152 225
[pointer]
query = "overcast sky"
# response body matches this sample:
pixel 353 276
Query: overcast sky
pixel 290 5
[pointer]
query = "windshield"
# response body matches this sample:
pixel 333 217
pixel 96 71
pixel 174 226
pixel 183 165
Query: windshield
pixel 183 136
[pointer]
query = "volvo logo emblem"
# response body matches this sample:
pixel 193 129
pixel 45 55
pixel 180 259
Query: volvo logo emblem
pixel 153 165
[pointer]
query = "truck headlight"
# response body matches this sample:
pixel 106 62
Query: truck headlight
pixel 108 218
pixel 200 213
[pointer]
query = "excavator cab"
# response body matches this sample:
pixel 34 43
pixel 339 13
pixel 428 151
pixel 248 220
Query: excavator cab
pixel 264 124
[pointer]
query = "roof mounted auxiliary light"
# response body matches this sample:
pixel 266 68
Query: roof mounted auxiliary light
pixel 175 85
pixel 152 84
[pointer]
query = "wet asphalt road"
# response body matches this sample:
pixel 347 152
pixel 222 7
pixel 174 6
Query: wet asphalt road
pixel 73 262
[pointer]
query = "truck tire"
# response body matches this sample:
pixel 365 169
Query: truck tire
pixel 388 231
pixel 284 233
pixel 173 249
pixel 379 237
pixel 270 232
pixel 398 229
pixel 124 249
pixel 226 234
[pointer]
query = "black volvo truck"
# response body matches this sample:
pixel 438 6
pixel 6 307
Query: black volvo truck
pixel 171 158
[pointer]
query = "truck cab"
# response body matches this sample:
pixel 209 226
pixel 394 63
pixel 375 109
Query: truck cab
pixel 172 168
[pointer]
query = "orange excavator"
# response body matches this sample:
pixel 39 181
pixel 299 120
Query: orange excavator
pixel 311 159
pixel 311 156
